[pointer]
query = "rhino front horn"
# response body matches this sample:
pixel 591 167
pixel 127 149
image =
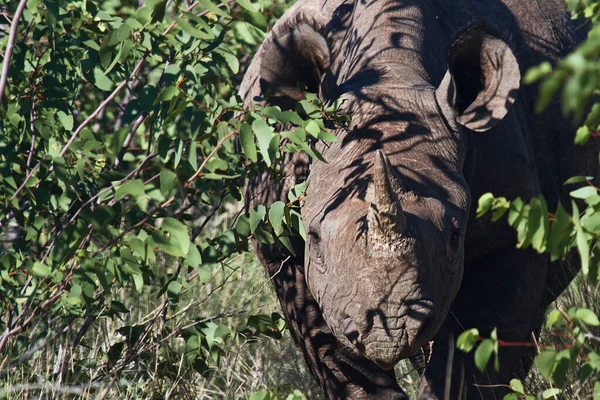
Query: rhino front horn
pixel 386 219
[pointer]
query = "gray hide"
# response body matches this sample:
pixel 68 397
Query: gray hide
pixel 395 258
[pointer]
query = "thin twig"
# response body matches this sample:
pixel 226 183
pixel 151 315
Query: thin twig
pixel 9 46
pixel 30 352
pixel 104 104
pixel 212 153
pixel 44 387
pixel 129 138
pixel 210 215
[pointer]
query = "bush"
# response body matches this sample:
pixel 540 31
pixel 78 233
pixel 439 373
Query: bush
pixel 124 270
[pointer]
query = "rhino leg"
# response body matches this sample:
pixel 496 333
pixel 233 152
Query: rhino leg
pixel 502 291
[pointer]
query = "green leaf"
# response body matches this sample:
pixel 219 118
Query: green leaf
pixel 173 292
pixel 143 15
pixel 101 81
pixel 297 223
pixel 597 391
pixel 202 25
pixel 205 272
pixel 538 224
pixel 214 9
pixel 65 120
pixel 282 116
pixel 545 363
pixel 138 281
pixel 118 307
pixel 256 19
pixel 516 386
pixel 194 258
pixel 483 354
pixel 41 270
pixel 133 188
pixel 158 12
pixel 189 29
pixel 247 5
pixel 582 136
pixel 232 61
pixel 168 181
pixel 164 243
pixel 168 93
pixel 537 72
pixel 287 243
pixel 584 192
pixel 256 216
pixel 578 179
pixel 102 216
pixel 551 393
pixel 554 318
pixel 467 340
pixel 247 142
pixel 276 212
pixel 327 136
pixel 586 315
pixel 560 231
pixel 298 190
pixel 583 246
pixel 264 134
pixel 262 395
pixel 312 128
pixel 484 204
pixel 179 233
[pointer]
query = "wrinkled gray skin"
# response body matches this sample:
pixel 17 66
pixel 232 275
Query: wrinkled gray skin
pixel 394 256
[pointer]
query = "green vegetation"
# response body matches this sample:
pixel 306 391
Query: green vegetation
pixel 126 269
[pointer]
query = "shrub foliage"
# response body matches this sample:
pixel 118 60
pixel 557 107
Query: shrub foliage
pixel 121 179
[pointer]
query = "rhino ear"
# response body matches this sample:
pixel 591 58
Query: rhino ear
pixel 482 79
pixel 299 55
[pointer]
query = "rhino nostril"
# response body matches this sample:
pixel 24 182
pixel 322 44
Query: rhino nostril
pixel 352 333
pixel 427 328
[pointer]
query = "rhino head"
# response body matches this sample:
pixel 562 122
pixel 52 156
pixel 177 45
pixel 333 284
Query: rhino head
pixel 385 253
pixel 386 267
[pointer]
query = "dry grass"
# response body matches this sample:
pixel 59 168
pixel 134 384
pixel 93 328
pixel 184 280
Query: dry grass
pixel 57 370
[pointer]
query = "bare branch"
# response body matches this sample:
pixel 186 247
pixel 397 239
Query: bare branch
pixel 103 104
pixel 9 47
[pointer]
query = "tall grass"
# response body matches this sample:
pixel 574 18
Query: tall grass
pixel 237 289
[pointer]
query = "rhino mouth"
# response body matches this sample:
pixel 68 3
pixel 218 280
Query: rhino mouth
pixel 387 345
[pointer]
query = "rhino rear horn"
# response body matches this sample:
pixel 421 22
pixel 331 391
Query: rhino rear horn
pixel 386 218
pixel 299 55
pixel 482 80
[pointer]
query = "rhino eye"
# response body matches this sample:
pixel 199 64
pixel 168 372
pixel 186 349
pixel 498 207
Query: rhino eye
pixel 316 257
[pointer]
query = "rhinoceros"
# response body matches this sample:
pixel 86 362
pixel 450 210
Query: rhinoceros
pixel 396 265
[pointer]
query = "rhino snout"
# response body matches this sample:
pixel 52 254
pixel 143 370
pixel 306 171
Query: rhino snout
pixel 386 340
